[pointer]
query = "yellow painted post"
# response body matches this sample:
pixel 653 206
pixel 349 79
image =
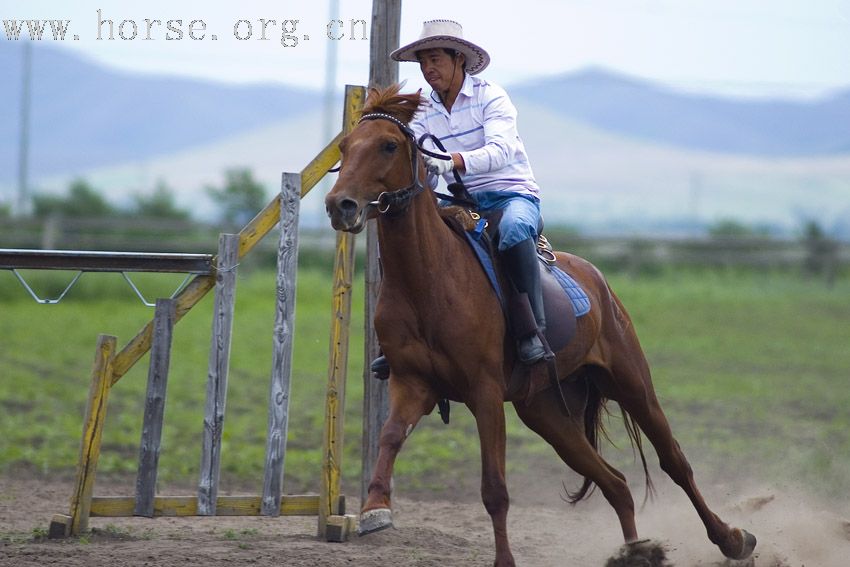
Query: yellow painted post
pixel 331 479
pixel 329 492
pixel 92 433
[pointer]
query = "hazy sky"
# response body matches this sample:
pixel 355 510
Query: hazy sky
pixel 753 47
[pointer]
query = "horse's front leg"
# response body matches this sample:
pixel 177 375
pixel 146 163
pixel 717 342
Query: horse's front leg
pixel 410 399
pixel 488 408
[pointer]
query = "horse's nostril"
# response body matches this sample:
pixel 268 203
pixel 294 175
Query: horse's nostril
pixel 348 205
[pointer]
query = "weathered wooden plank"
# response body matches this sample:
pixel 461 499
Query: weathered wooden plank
pixel 375 392
pixel 154 407
pixel 386 29
pixel 383 71
pixel 222 330
pixel 92 433
pixel 122 506
pixel 284 327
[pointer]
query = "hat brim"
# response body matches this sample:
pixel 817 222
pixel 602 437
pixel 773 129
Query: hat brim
pixel 476 58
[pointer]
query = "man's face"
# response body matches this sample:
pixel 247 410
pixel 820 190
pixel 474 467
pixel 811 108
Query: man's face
pixel 439 68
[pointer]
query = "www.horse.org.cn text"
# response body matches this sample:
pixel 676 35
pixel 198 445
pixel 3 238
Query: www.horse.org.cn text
pixel 285 31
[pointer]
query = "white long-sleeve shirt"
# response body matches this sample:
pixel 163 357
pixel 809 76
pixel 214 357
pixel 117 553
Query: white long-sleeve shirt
pixel 481 127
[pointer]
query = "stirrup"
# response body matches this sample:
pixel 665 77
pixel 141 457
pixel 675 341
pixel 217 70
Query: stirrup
pixel 545 251
pixel 531 350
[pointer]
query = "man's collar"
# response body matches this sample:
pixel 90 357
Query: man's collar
pixel 466 89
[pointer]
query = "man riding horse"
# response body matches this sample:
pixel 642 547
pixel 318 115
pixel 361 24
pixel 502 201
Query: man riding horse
pixel 476 122
pixel 442 326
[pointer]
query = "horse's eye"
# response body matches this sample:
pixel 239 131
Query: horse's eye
pixel 390 147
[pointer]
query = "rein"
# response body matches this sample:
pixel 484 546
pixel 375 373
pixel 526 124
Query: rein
pixel 396 202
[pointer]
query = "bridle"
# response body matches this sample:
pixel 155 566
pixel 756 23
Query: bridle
pixel 397 201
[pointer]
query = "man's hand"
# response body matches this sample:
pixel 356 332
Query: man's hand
pixel 438 166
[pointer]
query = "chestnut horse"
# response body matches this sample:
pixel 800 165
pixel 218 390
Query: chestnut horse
pixel 443 332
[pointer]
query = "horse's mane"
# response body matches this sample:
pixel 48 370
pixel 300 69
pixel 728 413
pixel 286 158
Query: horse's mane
pixel 389 101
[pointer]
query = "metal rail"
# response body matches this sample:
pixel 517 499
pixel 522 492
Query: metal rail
pixel 88 261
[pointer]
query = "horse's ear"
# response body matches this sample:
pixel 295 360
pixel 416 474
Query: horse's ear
pixel 373 94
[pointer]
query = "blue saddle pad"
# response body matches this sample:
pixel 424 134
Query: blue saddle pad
pixel 473 238
pixel 578 297
pixel 581 303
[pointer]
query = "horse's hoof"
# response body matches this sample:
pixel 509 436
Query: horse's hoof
pixel 375 521
pixel 747 547
pixel 640 553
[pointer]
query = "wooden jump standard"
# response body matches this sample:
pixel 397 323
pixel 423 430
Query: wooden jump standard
pixel 110 366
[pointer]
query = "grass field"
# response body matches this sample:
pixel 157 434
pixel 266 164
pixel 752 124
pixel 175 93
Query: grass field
pixel 751 368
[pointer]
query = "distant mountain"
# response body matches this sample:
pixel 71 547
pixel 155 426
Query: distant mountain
pixel 638 108
pixel 85 115
pixel 602 182
pixel 611 153
pixel 593 180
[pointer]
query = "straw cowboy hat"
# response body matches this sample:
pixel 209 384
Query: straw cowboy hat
pixel 448 34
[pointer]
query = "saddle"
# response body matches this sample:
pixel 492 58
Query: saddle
pixel 563 298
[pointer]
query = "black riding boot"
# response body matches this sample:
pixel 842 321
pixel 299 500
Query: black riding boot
pixel 521 262
pixel 380 367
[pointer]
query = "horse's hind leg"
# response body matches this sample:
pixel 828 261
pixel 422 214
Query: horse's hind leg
pixel 632 387
pixel 409 401
pixel 545 417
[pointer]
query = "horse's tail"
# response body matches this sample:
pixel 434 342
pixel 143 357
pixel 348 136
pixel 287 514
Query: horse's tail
pixel 594 428
pixel 636 440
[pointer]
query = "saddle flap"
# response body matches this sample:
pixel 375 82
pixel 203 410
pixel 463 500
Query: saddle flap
pixel 560 315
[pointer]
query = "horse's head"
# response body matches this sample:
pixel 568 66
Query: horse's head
pixel 377 157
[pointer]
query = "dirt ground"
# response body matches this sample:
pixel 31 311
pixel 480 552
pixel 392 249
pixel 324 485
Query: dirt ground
pixel 792 532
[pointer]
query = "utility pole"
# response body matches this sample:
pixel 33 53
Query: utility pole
pixel 330 118
pixel 384 39
pixel 23 143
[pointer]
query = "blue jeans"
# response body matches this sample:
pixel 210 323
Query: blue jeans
pixel 520 216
